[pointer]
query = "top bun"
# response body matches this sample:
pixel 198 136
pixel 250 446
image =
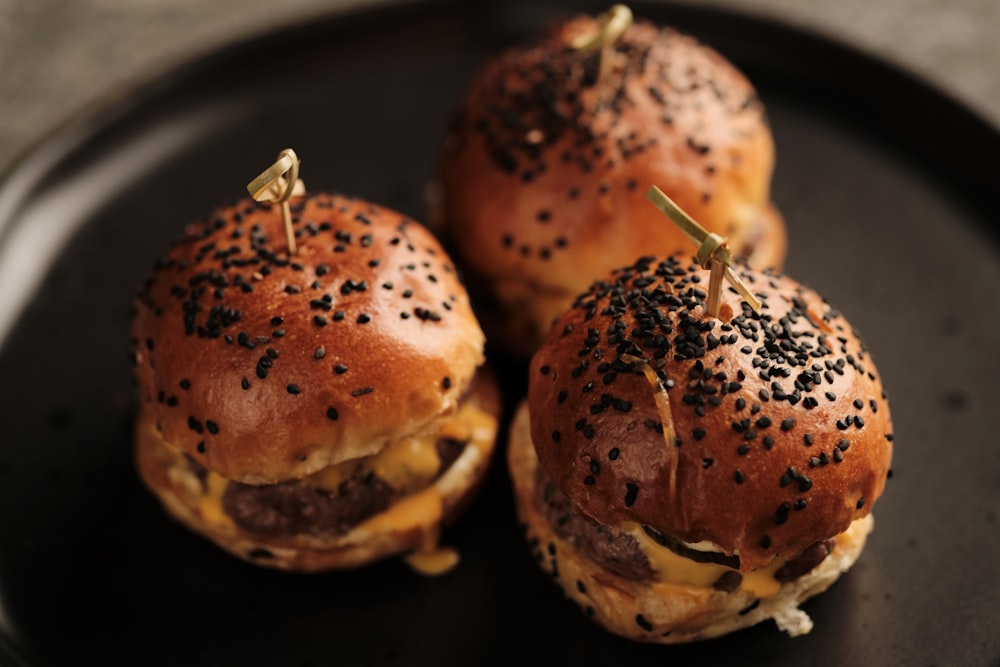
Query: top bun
pixel 266 368
pixel 544 169
pixel 781 430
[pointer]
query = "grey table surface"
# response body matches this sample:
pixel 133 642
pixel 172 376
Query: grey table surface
pixel 58 57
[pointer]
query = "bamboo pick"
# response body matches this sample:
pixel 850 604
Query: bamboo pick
pixel 712 252
pixel 611 25
pixel 271 185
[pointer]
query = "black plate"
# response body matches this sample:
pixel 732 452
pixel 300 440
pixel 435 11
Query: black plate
pixel 885 184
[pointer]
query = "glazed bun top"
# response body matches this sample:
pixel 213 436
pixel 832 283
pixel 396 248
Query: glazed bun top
pixel 544 168
pixel 761 432
pixel 265 368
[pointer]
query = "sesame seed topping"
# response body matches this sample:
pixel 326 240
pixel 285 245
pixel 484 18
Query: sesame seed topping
pixel 631 492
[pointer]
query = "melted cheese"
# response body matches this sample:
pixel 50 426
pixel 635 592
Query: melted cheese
pixel 433 563
pixel 410 464
pixel 677 570
pixel 210 505
pixel 412 512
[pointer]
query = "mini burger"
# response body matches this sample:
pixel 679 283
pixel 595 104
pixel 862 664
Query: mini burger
pixel 317 410
pixel 682 476
pixel 545 164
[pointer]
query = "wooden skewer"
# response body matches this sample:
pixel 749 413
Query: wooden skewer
pixel 712 252
pixel 611 25
pixel 271 185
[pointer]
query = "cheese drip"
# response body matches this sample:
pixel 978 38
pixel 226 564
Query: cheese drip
pixel 674 569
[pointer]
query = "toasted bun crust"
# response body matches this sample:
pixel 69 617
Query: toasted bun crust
pixel 412 523
pixel 763 433
pixel 544 169
pixel 266 370
pixel 662 612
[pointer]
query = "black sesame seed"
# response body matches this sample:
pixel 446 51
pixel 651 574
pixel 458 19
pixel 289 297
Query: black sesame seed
pixel 446 382
pixel 364 318
pixel 631 491
pixel 589 480
pixel 787 424
pixel 319 353
pixel 245 383
pixel 556 436
pixel 201 450
pixel 362 391
pixel 331 413
pixel 765 542
pixel 319 320
pixel 699 433
pixel 212 427
pixel 185 384
pixel 738 476
pixel 613 454
pixel 781 515
pixel 643 623
pixel 293 389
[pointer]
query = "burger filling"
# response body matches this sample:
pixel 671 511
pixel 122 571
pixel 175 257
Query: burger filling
pixel 642 553
pixel 335 500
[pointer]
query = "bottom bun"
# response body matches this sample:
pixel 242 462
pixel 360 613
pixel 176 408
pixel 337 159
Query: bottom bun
pixel 661 611
pixel 410 525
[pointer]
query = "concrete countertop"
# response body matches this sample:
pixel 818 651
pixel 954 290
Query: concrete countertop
pixel 58 56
